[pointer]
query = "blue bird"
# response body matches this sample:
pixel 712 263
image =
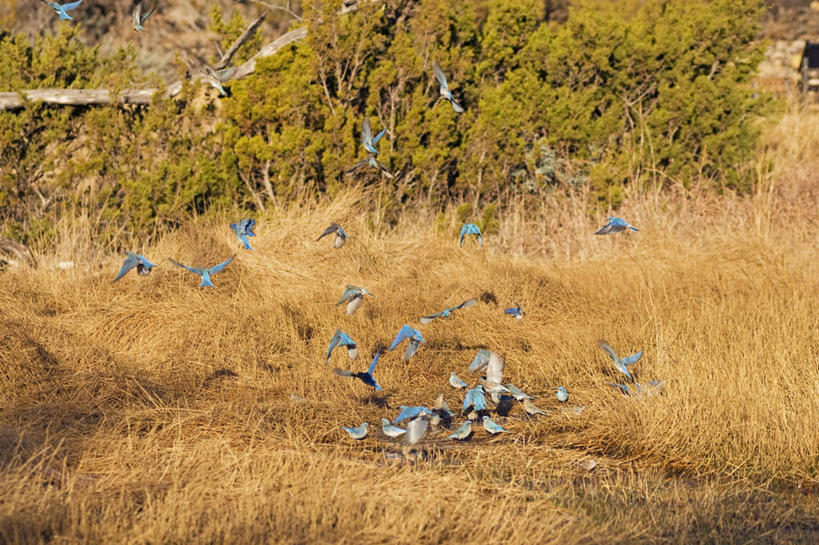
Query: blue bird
pixel 357 433
pixel 340 338
pixel 410 412
pixel 367 377
pixel 371 162
pixel 614 225
pixel 391 431
pixel 367 137
pixel 244 229
pixel 217 77
pixel 515 311
pixel 415 340
pixel 62 9
pixel 143 266
pixel 139 18
pixel 620 363
pixel 562 395
pixel 355 296
pixel 447 311
pixel 456 382
pixel 463 432
pixel 341 236
pixel 474 400
pixel 470 229
pixel 205 273
pixel 490 426
pixel 444 91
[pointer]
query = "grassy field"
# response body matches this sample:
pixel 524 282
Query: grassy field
pixel 153 411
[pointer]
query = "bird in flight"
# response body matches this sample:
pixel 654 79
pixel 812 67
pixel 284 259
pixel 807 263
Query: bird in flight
pixel 470 229
pixel 205 273
pixel 614 225
pixel 367 140
pixel 415 340
pixel 143 266
pixel 242 230
pixel 444 91
pixel 340 338
pixel 620 363
pixel 372 162
pixel 366 377
pixel 63 9
pixel 217 77
pixel 354 296
pixel 139 18
pixel 447 311
pixel 341 236
pixel 515 311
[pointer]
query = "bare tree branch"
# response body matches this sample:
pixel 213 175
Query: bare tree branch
pixel 223 62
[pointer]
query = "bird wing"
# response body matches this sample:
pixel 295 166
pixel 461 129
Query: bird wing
pixel 631 360
pixel 463 234
pixel 605 230
pixel 224 74
pixel 72 5
pixel 466 304
pixel 455 106
pixel 478 400
pixel 366 133
pixel 334 340
pixel 371 369
pixel 349 292
pixel 130 262
pixel 145 261
pixel 416 429
pixel 332 229
pixel 439 74
pixel 343 372
pixel 404 333
pixel 191 269
pixel 358 165
pixel 378 136
pixel 145 17
pixel 138 13
pixel 220 266
pixel 384 169
pixel 607 349
pixel 246 225
pixel 428 319
pixel 480 360
pixel 494 371
pixel 511 310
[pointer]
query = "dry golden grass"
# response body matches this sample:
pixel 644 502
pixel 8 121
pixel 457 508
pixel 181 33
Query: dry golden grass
pixel 153 411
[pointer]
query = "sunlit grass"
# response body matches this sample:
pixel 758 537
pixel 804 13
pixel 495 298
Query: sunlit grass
pixel 151 410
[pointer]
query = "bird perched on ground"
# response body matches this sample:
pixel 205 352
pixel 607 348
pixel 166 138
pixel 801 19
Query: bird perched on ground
pixel 530 408
pixel 355 296
pixel 367 139
pixel 517 393
pixel 620 363
pixel 410 412
pixel 515 311
pixel 357 433
pixel 139 19
pixel 614 225
pixel 444 91
pixel 391 431
pixel 143 266
pixel 415 340
pixel 463 432
pixel 62 9
pixel 242 230
pixel 490 426
pixel 470 229
pixel 217 77
pixel 205 273
pixel 366 377
pixel 371 162
pixel 562 395
pixel 475 400
pixel 340 338
pixel 456 382
pixel 447 311
pixel 341 236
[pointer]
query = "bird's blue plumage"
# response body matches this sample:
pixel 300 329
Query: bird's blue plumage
pixel 406 332
pixel 243 230
pixel 470 229
pixel 204 273
pixel 135 260
pixel 408 413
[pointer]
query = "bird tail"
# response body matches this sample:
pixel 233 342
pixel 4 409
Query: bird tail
pixel 206 283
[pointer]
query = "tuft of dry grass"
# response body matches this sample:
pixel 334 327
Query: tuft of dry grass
pixel 151 410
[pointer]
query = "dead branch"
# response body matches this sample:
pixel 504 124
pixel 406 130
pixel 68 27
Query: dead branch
pixel 225 60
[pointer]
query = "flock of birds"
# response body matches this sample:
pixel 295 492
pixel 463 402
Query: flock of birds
pixel 487 362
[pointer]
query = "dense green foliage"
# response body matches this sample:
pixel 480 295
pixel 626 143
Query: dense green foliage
pixel 649 92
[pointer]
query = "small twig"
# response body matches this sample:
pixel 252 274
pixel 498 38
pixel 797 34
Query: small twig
pixel 225 60
pixel 280 8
